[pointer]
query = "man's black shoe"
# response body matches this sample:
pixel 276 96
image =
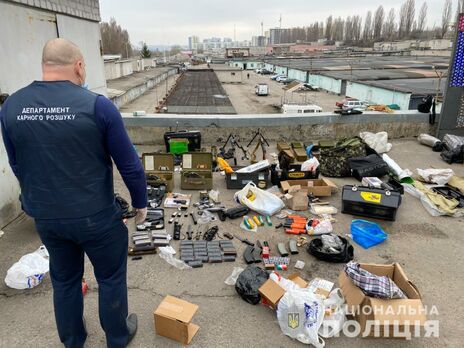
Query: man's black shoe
pixel 131 326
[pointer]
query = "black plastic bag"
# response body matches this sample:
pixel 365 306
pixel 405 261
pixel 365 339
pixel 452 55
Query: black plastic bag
pixel 345 255
pixel 371 165
pixel 248 283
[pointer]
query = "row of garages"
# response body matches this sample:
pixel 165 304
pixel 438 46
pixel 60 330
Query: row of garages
pixel 386 80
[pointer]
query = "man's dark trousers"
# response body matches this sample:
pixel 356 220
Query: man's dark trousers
pixel 103 237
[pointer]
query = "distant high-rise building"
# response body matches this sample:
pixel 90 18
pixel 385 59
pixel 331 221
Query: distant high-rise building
pixel 258 41
pixel 193 42
pixel 274 36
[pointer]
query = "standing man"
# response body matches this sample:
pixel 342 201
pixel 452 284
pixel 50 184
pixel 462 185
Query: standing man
pixel 60 139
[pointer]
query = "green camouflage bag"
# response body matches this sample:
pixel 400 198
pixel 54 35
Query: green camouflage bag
pixel 334 160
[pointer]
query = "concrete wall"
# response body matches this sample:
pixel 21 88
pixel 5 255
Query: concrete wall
pixel 149 130
pixel 138 90
pixel 377 95
pixel 297 74
pixel 326 83
pixel 86 35
pixel 87 9
pixel 25 26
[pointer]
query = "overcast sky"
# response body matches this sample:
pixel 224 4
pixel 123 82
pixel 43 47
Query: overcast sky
pixel 173 21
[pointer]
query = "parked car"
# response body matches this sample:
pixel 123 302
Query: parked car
pixel 266 72
pixel 287 81
pixel 310 87
pixel 354 104
pixel 281 78
pixel 259 70
pixel 262 89
pixel 340 103
pixel 274 77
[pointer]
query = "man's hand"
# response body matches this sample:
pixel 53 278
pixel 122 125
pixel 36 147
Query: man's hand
pixel 141 216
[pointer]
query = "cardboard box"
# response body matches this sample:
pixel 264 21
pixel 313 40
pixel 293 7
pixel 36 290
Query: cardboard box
pixel 172 319
pixel 321 286
pixel 271 292
pixel 386 312
pixel 318 187
pixel 298 280
pixel 297 201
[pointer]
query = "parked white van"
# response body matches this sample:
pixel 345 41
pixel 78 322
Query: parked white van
pixel 301 109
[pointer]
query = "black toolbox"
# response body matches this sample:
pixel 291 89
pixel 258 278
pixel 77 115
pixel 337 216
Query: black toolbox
pixel 239 180
pixel 193 137
pixel 370 202
pixel 293 172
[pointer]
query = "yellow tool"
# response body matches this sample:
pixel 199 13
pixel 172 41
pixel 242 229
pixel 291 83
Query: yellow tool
pixel 256 220
pixel 223 165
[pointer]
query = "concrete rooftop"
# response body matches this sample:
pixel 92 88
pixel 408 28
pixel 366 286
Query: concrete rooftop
pixel 429 249
pixel 359 63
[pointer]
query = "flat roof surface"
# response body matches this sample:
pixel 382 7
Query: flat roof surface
pixel 119 86
pixel 428 248
pixel 199 91
pixel 356 63
pixel 414 86
pixel 383 74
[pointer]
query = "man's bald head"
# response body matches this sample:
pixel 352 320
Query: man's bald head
pixel 61 52
pixel 63 60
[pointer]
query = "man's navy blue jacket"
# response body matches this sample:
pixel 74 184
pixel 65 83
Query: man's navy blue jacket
pixel 60 139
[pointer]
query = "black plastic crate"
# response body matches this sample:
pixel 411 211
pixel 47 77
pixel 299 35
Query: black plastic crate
pixel 239 180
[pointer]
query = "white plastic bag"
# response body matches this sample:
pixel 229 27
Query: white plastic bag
pixel 232 279
pixel 436 176
pixel 167 254
pixel 284 283
pixel 29 271
pixel 378 141
pixel 300 314
pixel 335 315
pixel 310 165
pixel 264 203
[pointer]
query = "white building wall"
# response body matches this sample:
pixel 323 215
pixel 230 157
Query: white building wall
pixel 24 31
pixel 377 95
pixel 326 83
pixel 86 35
pixel 296 74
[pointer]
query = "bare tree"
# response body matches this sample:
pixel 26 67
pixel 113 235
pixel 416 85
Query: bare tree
pixel 328 28
pixel 409 19
pixel 445 18
pixel 422 19
pixel 367 31
pixel 349 29
pixel 379 17
pixel 357 28
pixel 115 40
pixel 390 25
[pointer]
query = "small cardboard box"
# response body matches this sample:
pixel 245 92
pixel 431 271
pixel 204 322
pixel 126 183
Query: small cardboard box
pixel 271 292
pixel 318 187
pixel 297 201
pixel 298 280
pixel 172 319
pixel 382 314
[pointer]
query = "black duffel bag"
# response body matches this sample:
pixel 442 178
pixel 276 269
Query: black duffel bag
pixel 346 254
pixel 371 165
